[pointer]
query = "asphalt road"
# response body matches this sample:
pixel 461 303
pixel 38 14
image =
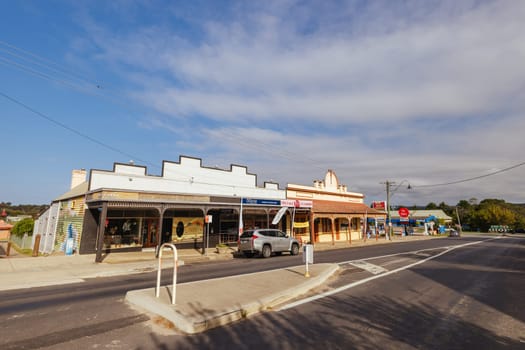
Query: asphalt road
pixel 470 297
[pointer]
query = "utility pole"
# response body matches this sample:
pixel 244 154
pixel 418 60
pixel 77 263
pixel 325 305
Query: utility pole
pixel 388 194
pixel 388 184
pixel 459 222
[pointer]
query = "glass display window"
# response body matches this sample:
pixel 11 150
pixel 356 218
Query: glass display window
pixel 122 232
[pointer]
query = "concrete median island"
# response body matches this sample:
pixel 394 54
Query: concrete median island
pixel 207 304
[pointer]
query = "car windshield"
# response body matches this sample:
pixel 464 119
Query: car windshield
pixel 247 234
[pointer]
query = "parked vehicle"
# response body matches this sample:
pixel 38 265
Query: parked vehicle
pixel 265 242
pixel 453 233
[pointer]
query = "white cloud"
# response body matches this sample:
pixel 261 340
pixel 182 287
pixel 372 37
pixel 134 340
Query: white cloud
pixel 430 93
pixel 458 67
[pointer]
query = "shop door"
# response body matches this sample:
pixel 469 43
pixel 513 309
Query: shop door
pixel 150 233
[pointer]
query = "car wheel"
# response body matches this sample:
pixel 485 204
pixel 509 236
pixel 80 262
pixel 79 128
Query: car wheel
pixel 248 254
pixel 295 249
pixel 266 251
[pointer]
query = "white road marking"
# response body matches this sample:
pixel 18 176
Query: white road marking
pixel 374 269
pixel 363 281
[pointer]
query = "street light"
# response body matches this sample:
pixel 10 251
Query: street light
pixel 397 187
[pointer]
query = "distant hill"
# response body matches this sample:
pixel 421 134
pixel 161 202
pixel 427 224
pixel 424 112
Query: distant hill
pixel 22 209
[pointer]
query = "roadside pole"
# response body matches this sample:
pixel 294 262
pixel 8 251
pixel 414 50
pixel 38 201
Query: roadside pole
pixel 459 222
pixel 308 257
pixel 388 223
pixel 208 219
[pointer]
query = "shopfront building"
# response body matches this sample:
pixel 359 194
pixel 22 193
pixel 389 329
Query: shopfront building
pixel 127 209
pixel 335 215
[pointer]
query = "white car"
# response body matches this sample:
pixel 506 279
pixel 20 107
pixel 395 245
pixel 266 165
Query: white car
pixel 265 242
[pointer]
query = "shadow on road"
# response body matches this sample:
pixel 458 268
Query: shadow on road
pixel 356 323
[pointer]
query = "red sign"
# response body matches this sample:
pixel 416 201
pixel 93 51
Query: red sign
pixel 379 205
pixel 403 212
pixel 296 203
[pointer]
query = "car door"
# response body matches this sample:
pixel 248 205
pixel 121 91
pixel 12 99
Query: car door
pixel 282 241
pixel 269 238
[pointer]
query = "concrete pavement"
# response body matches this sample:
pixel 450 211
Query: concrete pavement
pixel 207 304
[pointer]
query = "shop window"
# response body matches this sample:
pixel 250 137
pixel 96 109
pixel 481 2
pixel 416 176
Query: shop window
pixel 188 228
pixel 121 233
pixel 355 224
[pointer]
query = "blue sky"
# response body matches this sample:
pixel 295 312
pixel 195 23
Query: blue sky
pixel 419 92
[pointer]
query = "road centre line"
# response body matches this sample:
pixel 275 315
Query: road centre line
pixel 416 252
pixel 363 281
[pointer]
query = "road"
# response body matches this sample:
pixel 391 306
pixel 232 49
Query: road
pixel 469 297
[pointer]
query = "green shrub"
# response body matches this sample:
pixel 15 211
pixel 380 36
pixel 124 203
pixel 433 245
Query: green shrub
pixel 23 226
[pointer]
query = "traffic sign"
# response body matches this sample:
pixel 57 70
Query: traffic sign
pixel 403 212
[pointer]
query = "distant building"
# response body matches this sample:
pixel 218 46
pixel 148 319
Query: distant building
pixel 335 214
pixel 64 218
pixel 419 216
pixel 15 219
pixel 5 231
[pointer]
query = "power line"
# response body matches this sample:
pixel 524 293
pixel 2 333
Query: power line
pixel 30 57
pixel 33 64
pixel 73 79
pixel 473 178
pixel 411 186
pixel 64 126
pixel 65 75
pixel 6 61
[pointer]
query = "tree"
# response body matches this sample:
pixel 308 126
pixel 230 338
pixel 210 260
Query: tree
pixel 431 206
pixel 465 211
pixel 493 212
pixel 447 209
pixel 23 226
pixel 464 204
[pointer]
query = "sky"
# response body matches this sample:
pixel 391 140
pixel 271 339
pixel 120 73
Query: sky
pixel 426 93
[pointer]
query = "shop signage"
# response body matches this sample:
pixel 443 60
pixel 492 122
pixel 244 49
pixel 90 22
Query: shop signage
pixel 256 201
pixel 297 203
pixel 379 205
pixel 279 215
pixel 301 224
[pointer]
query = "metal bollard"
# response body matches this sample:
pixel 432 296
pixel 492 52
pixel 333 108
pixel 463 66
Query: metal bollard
pixel 175 261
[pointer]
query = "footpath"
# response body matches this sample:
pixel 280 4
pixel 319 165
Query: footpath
pixel 198 305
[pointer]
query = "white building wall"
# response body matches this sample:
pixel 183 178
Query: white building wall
pixel 78 176
pixel 40 226
pixel 48 240
pixel 46 226
pixel 316 193
pixel 186 177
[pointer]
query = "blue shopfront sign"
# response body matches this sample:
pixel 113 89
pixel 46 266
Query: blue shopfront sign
pixel 401 221
pixel 255 201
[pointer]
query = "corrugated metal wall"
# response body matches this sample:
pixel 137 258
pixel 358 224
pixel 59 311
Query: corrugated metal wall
pixel 70 220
